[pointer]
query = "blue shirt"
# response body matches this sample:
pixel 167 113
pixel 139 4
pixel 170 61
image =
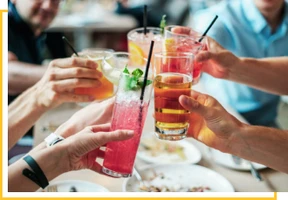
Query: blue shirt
pixel 242 29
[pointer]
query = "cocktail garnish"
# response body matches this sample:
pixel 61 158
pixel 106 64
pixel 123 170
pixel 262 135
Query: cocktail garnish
pixel 133 82
pixel 163 24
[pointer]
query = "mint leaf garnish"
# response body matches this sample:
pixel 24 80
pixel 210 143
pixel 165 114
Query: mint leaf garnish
pixel 137 73
pixel 126 71
pixel 163 24
pixel 132 82
pixel 142 82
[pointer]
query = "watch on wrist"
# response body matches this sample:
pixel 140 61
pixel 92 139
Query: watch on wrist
pixel 52 139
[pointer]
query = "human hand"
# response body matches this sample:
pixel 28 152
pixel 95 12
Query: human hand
pixel 210 123
pixel 93 114
pixel 215 60
pixel 62 77
pixel 81 150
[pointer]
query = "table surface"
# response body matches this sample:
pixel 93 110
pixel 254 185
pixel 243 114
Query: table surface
pixel 242 181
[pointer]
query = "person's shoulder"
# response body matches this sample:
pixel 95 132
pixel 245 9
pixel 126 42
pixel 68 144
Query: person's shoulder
pixel 225 11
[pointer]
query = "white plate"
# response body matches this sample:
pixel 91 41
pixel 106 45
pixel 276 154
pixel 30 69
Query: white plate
pixel 187 153
pixel 177 176
pixel 81 186
pixel 227 161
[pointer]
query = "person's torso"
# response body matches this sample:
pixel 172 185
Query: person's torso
pixel 242 39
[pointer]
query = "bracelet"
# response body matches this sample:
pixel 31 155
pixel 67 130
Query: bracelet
pixel 37 175
pixel 53 139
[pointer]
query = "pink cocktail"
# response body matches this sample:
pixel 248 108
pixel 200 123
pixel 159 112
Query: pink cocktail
pixel 175 42
pixel 129 113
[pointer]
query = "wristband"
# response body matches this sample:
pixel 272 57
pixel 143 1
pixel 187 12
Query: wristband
pixel 52 139
pixel 37 175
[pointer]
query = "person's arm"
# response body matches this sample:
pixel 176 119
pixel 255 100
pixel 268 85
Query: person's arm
pixel 77 152
pixel 216 128
pixel 268 74
pixel 22 75
pixel 22 114
pixel 56 86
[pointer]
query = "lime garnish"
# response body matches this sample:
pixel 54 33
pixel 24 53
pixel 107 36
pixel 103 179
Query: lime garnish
pixel 163 24
pixel 133 82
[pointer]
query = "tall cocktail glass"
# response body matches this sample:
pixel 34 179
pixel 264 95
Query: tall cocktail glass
pixel 139 43
pixel 175 42
pixel 173 78
pixel 129 113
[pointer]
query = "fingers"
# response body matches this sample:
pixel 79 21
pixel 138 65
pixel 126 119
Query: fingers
pixel 68 84
pixel 101 128
pixel 96 167
pixel 88 142
pixel 70 97
pixel 203 56
pixel 75 72
pixel 181 30
pixel 74 62
pixel 200 103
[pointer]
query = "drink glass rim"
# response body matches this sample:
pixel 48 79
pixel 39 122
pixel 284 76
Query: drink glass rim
pixel 112 54
pixel 167 54
pixel 197 33
pixel 142 28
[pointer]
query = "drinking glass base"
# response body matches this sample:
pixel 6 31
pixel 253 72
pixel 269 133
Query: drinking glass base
pixel 115 174
pixel 172 135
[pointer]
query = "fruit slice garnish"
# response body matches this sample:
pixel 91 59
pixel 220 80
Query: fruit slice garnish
pixel 169 45
pixel 110 72
pixel 137 54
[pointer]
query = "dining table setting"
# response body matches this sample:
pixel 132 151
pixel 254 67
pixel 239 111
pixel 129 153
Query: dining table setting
pixel 182 166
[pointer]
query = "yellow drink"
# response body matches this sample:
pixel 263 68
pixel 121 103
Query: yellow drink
pixel 106 89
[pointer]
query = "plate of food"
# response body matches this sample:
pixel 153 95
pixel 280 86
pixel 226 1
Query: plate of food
pixel 177 178
pixel 154 150
pixel 227 160
pixel 74 186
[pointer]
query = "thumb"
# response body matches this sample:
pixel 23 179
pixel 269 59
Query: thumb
pixel 204 56
pixel 202 105
pixel 192 105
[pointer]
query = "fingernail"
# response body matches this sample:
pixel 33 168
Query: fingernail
pixel 186 100
pixel 130 133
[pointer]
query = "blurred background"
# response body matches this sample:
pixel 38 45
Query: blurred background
pixel 105 23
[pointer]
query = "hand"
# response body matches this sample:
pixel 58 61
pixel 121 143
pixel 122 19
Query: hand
pixel 210 123
pixel 93 114
pixel 215 60
pixel 62 77
pixel 82 149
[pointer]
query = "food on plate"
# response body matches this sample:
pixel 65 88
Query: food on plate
pixel 161 183
pixel 155 147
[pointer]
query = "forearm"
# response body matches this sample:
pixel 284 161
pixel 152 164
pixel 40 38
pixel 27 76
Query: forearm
pixel 48 160
pixel 269 74
pixel 22 76
pixel 22 115
pixel 264 145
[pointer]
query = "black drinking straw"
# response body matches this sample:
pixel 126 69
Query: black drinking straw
pixel 71 47
pixel 147 70
pixel 211 24
pixel 145 19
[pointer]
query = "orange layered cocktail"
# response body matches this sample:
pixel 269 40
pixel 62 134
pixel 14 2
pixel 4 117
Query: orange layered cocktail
pixel 173 78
